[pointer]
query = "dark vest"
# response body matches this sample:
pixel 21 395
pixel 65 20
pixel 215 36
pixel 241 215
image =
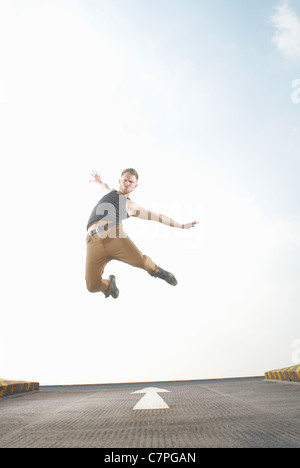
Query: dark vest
pixel 111 208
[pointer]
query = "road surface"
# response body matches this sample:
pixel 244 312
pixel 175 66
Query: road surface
pixel 220 413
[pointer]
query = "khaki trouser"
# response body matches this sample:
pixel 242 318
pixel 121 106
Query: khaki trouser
pixel 101 248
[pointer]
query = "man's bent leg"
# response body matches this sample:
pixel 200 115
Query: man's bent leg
pixel 124 250
pixel 96 259
pixel 128 252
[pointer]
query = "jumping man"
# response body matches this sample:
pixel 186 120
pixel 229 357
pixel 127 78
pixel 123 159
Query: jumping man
pixel 106 239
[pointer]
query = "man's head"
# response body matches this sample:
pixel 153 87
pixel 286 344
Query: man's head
pixel 128 181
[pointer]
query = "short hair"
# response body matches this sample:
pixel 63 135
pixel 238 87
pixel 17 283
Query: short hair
pixel 131 171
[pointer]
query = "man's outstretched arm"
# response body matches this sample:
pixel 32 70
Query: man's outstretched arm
pixel 137 211
pixel 97 180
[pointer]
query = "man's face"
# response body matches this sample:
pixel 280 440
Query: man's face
pixel 127 183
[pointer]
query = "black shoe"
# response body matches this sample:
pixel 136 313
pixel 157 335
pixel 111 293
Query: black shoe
pixel 114 292
pixel 165 275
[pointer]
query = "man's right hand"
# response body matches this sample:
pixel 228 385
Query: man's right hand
pixel 96 178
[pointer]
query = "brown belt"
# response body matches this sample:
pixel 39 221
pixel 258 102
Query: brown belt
pixel 101 228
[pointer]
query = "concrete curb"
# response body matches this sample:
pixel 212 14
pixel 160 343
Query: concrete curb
pixel 13 387
pixel 287 374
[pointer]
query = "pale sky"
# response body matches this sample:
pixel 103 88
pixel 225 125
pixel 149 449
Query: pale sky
pixel 203 99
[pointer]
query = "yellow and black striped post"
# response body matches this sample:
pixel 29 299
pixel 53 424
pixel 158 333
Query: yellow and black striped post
pixel 13 387
pixel 287 374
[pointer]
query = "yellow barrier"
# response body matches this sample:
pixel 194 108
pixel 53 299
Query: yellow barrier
pixel 287 374
pixel 13 387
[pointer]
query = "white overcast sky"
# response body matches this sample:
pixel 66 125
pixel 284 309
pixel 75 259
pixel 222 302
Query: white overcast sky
pixel 203 99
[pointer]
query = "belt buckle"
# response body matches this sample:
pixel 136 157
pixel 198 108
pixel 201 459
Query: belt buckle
pixel 102 228
pixel 91 233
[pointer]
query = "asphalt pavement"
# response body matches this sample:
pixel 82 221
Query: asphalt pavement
pixel 237 413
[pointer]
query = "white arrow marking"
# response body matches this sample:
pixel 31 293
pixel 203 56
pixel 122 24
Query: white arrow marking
pixel 151 400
